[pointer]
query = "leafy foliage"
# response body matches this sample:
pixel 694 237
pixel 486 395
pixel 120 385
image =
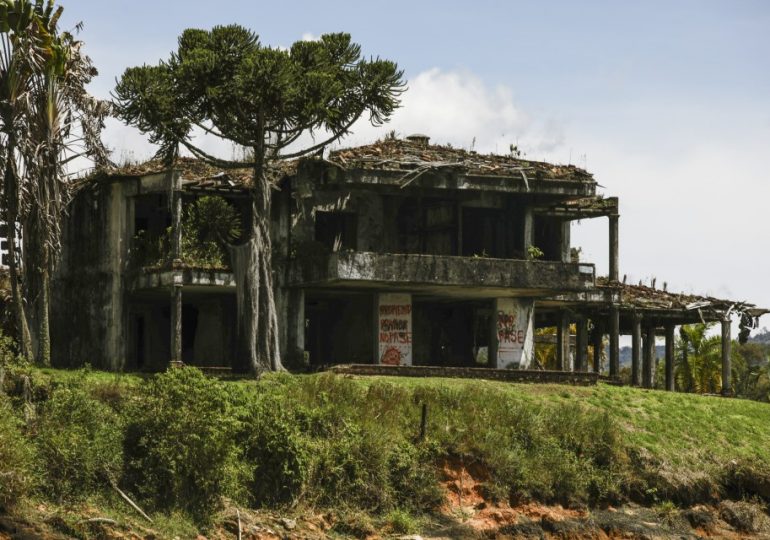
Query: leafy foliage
pixel 80 441
pixel 180 451
pixel 17 458
pixel 226 81
pixel 208 224
pixel 47 119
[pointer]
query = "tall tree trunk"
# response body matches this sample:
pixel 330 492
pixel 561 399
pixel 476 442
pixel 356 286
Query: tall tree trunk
pixel 258 345
pixel 44 332
pixel 11 192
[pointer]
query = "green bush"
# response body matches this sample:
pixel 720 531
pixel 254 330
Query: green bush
pixel 17 458
pixel 276 449
pixel 80 441
pixel 181 448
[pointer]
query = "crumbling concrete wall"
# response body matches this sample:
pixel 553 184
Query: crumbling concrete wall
pixel 87 303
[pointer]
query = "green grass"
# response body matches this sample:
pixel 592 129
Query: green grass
pixel 352 443
pixel 674 427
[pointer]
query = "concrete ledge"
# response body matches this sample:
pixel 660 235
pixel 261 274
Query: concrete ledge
pixel 578 378
pixel 149 278
pixel 357 268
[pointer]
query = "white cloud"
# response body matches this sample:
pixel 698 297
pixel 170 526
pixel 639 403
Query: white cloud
pixel 457 107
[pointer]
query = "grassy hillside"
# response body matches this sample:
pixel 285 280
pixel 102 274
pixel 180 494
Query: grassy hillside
pixel 185 445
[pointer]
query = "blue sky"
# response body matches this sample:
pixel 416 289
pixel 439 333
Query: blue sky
pixel 667 103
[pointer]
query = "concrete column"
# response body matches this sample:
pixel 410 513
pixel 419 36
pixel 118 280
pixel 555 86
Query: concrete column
pixel 670 357
pixel 176 325
pixel 528 229
pixel 562 343
pixel 726 346
pixel 598 344
pixel 614 342
pixel 614 248
pixel 565 241
pixel 648 360
pixel 294 347
pixel 636 345
pixel 581 344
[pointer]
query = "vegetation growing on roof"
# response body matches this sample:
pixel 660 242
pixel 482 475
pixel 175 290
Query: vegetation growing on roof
pixel 404 154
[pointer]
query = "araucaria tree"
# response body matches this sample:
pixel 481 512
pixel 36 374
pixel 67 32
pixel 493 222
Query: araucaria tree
pixel 226 83
pixel 47 119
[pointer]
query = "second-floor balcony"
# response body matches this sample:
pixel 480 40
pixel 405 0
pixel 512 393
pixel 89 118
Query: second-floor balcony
pixel 486 276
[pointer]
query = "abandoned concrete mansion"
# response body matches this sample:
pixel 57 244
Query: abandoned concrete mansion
pixel 400 252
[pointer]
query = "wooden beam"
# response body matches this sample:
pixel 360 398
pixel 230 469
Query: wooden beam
pixel 176 325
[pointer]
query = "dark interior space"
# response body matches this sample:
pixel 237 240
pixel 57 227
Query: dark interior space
pixel 339 329
pixel 484 233
pixel 451 333
pixel 152 215
pixel 208 330
pixel 189 330
pixel 428 226
pixel 548 237
pixel 336 230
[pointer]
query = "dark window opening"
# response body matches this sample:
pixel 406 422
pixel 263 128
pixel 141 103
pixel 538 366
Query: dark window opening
pixel 484 233
pixel 151 214
pixel 428 226
pixel 336 230
pixel 548 238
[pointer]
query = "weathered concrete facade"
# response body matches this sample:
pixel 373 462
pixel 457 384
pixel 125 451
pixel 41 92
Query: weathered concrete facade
pixel 396 253
pixel 464 244
pixel 111 310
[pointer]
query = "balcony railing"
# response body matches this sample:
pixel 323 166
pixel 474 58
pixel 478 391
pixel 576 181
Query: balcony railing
pixel 354 268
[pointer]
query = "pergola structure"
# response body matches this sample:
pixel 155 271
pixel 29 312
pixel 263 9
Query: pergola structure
pixel 615 308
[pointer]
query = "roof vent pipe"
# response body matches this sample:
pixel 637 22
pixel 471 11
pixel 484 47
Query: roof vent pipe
pixel 419 139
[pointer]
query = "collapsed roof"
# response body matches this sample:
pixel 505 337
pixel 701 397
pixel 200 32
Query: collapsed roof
pixel 414 152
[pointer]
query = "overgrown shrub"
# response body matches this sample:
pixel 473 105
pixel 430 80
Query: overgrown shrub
pixel 80 441
pixel 181 451
pixel 277 450
pixel 17 458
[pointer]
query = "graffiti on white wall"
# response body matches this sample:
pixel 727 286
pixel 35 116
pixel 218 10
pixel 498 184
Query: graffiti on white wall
pixel 514 332
pixel 394 329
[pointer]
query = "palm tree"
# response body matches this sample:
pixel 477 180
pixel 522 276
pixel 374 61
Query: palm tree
pixel 699 368
pixel 64 123
pixel 51 120
pixel 24 43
